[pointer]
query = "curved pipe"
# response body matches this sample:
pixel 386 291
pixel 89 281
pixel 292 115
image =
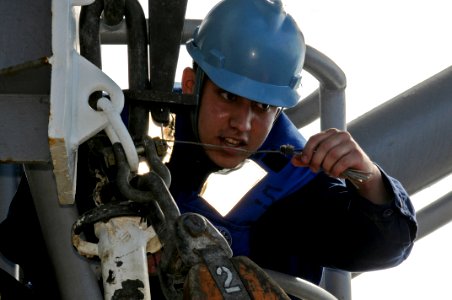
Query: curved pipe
pixel 331 92
pixel 306 111
pixel 324 69
pixel 299 288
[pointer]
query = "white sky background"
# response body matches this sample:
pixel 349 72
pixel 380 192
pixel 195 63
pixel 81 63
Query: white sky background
pixel 384 47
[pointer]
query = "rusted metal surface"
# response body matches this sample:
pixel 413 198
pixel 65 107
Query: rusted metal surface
pixel 257 282
pixel 65 183
pixel 201 283
pixel 24 66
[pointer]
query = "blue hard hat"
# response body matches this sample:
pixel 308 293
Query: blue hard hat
pixel 251 48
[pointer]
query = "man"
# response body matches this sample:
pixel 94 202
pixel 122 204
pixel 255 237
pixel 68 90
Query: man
pixel 302 216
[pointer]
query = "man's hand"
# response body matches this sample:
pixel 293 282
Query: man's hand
pixel 335 151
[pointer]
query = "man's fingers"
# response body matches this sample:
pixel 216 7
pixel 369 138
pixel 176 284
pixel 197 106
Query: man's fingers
pixel 312 146
pixel 333 151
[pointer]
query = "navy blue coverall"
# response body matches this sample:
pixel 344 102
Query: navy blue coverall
pixel 295 221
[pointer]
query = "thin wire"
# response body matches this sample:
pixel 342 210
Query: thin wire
pixel 224 147
pixel 355 176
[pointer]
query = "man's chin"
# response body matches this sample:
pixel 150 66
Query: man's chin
pixel 227 162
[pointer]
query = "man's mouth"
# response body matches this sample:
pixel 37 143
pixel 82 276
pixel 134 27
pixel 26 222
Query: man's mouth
pixel 233 145
pixel 231 142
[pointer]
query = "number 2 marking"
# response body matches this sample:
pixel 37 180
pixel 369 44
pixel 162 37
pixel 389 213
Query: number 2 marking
pixel 227 282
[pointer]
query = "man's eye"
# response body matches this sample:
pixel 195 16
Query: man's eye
pixel 228 96
pixel 263 106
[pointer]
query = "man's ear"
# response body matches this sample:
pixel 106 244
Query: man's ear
pixel 188 81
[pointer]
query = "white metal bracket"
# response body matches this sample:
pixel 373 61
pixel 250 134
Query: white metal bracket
pixel 72 120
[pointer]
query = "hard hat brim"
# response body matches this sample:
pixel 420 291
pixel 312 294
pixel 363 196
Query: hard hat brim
pixel 279 96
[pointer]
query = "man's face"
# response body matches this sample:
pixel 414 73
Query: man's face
pixel 228 120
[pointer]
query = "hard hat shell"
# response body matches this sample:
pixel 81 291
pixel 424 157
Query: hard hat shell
pixel 251 48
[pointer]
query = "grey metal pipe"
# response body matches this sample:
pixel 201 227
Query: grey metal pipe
pixel 410 135
pixel 76 279
pixel 331 93
pixel 306 111
pixel 299 288
pixel 332 115
pixel 434 216
pixel 332 109
pixel 332 88
pixel 338 282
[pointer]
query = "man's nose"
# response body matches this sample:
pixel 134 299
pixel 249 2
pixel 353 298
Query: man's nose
pixel 242 115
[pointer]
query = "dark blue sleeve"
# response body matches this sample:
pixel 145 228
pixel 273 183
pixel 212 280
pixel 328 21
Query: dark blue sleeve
pixel 328 224
pixel 388 231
